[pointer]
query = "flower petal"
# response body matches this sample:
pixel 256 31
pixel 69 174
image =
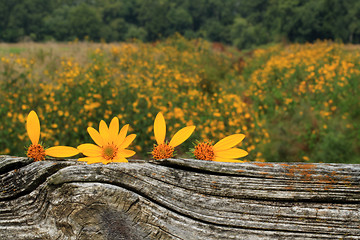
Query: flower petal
pixel 33 127
pixel 114 129
pixel 126 153
pixel 91 160
pixel 128 140
pixel 231 153
pixel 61 151
pixel 90 150
pixel 159 128
pixel 181 136
pixel 120 159
pixel 228 142
pixel 95 135
pixel 219 159
pixel 104 131
pixel 122 134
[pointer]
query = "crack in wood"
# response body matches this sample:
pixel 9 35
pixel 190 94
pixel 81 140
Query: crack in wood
pixel 27 187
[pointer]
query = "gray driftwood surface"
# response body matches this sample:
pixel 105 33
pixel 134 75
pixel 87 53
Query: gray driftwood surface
pixel 178 199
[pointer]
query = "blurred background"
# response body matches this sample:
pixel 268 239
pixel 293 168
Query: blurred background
pixel 283 72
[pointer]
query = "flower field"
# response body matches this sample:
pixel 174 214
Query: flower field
pixel 293 103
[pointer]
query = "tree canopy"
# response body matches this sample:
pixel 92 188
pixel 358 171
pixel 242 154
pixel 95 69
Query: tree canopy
pixel 242 23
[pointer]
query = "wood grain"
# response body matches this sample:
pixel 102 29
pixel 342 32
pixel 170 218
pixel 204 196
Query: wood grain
pixel 178 199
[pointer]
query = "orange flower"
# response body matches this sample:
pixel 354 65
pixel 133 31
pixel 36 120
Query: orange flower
pixel 222 151
pixel 111 144
pixel 163 149
pixel 36 150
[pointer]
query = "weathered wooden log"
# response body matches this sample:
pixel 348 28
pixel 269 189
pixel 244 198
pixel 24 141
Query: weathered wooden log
pixel 178 199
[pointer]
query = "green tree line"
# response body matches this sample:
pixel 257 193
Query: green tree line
pixel 243 23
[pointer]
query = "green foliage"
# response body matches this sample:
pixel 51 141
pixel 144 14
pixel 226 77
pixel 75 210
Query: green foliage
pixel 135 32
pixel 23 18
pixel 179 19
pixel 308 95
pixel 245 24
pixel 336 146
pixel 246 36
pixel 85 21
pixel 57 24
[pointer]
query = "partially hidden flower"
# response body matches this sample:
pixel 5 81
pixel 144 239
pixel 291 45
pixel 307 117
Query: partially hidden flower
pixel 110 144
pixel 166 149
pixel 222 151
pixel 36 150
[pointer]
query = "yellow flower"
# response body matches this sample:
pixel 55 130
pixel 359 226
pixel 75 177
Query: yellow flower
pixel 163 149
pixel 111 144
pixel 222 151
pixel 36 150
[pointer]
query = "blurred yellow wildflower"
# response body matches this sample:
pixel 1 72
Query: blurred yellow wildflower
pixel 222 151
pixel 91 106
pixel 36 150
pixel 111 144
pixel 163 149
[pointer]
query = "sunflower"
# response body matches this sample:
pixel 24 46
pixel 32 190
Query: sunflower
pixel 36 150
pixel 222 151
pixel 163 149
pixel 111 144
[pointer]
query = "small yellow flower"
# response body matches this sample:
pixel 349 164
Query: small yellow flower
pixel 222 151
pixel 111 144
pixel 163 149
pixel 36 150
